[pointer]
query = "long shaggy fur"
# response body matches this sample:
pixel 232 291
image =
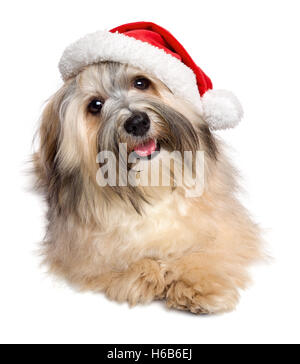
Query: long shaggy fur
pixel 139 244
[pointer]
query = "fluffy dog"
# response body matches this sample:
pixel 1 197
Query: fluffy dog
pixel 137 243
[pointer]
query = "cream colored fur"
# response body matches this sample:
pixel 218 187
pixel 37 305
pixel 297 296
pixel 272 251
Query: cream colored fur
pixel 192 252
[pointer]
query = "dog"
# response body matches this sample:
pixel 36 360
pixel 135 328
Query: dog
pixel 140 243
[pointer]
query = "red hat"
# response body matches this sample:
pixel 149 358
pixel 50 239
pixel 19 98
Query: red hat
pixel 154 50
pixel 161 38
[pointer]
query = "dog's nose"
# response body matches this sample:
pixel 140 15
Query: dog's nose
pixel 138 124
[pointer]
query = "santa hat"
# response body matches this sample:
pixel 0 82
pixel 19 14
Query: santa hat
pixel 155 51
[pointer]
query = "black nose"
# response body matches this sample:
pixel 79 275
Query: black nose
pixel 138 124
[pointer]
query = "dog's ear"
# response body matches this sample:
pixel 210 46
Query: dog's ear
pixel 45 158
pixel 208 141
pixel 63 190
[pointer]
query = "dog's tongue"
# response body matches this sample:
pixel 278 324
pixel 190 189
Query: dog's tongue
pixel 143 150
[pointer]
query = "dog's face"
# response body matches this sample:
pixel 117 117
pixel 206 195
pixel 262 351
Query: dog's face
pixel 105 105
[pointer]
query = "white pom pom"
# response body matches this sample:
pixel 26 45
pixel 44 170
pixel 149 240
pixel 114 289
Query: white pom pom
pixel 221 109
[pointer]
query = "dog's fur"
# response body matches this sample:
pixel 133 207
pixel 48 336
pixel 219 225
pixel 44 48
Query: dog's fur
pixel 139 244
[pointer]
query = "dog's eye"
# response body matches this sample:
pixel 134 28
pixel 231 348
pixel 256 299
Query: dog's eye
pixel 142 83
pixel 95 106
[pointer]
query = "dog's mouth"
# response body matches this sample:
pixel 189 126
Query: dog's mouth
pixel 147 149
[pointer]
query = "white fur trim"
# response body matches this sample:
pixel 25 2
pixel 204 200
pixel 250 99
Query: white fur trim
pixel 105 46
pixel 221 109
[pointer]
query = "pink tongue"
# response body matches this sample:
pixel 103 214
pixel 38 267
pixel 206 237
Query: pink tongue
pixel 143 150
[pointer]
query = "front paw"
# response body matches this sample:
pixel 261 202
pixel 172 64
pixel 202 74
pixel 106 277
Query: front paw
pixel 141 283
pixel 184 296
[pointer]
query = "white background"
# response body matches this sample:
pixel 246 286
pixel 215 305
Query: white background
pixel 250 47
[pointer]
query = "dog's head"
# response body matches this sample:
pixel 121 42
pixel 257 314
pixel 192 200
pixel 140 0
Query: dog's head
pixel 105 106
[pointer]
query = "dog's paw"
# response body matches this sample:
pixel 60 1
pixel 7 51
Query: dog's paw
pixel 141 283
pixel 183 296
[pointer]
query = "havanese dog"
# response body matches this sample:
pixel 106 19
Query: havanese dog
pixel 141 196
